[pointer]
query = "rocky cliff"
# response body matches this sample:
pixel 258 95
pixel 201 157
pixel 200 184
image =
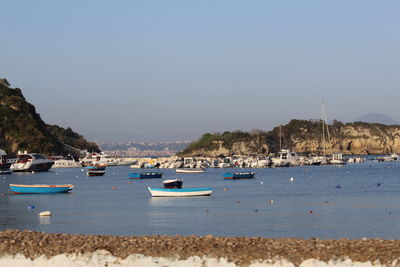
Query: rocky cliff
pixel 21 128
pixel 302 136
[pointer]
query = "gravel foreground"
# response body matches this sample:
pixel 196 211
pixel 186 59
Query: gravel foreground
pixel 239 250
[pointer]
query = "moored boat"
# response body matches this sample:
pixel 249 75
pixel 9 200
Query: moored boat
pixel 29 162
pixel 239 175
pixel 173 183
pixel 145 175
pixel 102 158
pixel 180 192
pixel 40 188
pixel 96 167
pixel 5 163
pixel 94 172
pixel 190 170
pixel 65 162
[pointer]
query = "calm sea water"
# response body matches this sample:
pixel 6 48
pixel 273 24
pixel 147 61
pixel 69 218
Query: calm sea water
pixel 309 206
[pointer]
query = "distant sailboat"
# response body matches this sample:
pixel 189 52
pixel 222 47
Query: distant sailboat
pixel 337 158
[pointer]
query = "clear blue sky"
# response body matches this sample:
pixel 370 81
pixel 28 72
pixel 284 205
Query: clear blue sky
pixel 170 70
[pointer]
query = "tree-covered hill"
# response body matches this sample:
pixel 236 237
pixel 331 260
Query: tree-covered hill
pixel 21 128
pixel 305 136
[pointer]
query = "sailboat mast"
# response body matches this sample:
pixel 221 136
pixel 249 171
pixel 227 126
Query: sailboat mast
pixel 323 128
pixel 280 137
pixel 327 130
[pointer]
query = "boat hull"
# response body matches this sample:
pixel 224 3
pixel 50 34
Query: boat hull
pixel 40 189
pixel 239 175
pixel 145 175
pixel 95 173
pixel 37 167
pixel 180 192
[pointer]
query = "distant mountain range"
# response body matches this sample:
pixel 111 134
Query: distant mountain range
pixel 377 118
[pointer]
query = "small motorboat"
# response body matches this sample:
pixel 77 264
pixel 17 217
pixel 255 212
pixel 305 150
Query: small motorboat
pixel 180 192
pixel 239 175
pixel 190 170
pixel 173 183
pixel 40 188
pixel 98 167
pixel 94 172
pixel 145 175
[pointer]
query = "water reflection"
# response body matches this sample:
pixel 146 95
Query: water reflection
pixel 44 219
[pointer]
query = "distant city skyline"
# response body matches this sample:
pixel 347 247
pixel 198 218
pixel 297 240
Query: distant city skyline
pixel 173 70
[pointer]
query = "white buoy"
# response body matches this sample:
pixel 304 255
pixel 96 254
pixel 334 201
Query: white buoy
pixel 262 183
pixel 33 171
pixel 291 179
pixel 271 202
pixel 45 213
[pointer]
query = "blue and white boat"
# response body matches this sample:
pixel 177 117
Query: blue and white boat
pixel 239 175
pixel 96 167
pixel 145 175
pixel 180 192
pixel 40 188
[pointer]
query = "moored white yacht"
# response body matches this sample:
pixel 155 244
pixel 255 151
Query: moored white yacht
pixel 67 162
pixel 29 162
pixel 337 159
pixel 286 158
pixel 103 159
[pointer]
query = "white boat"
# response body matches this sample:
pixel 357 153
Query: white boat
pixel 286 158
pixel 190 170
pixel 29 162
pixel 104 159
pixel 67 162
pixel 180 192
pixel 227 163
pixel 337 159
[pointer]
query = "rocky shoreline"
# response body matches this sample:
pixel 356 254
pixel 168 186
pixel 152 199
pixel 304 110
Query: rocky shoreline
pixel 242 251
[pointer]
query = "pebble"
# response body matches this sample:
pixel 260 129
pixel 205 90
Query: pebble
pixel 241 251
